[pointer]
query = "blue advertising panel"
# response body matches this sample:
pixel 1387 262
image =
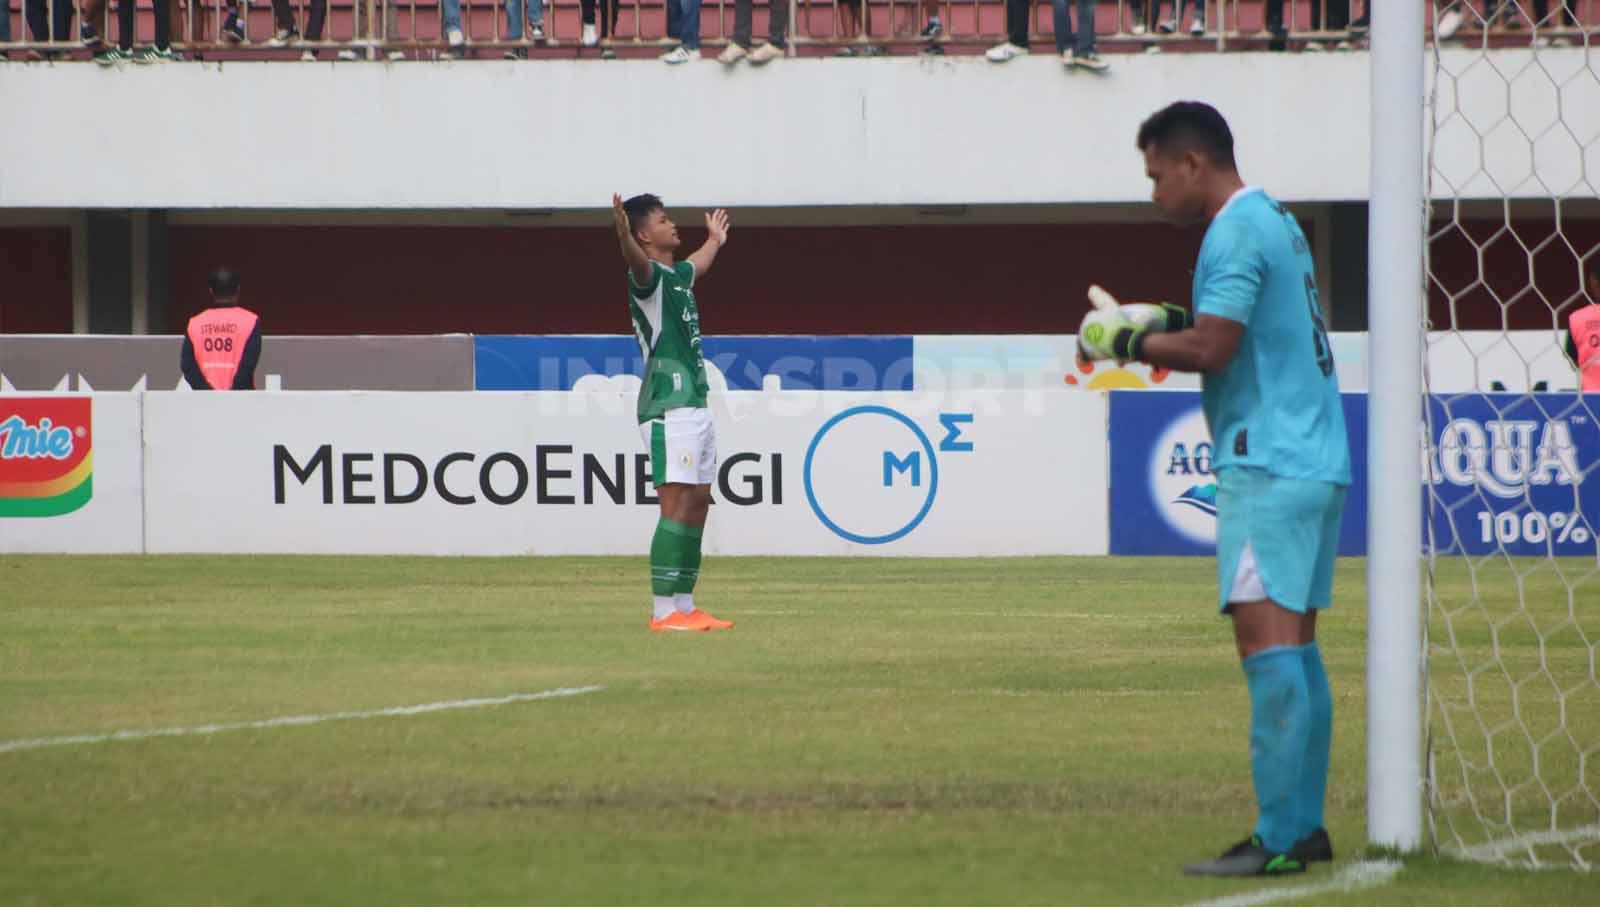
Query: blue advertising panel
pixel 1505 472
pixel 1163 492
pixel 844 363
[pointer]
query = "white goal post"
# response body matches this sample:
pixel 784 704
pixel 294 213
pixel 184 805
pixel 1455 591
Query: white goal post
pixel 1483 583
pixel 1395 303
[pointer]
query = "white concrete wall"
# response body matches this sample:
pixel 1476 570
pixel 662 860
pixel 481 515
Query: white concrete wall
pixel 814 132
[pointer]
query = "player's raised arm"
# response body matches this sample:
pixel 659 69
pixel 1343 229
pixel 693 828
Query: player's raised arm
pixel 717 228
pixel 632 253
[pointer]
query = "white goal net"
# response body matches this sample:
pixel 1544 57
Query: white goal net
pixel 1512 459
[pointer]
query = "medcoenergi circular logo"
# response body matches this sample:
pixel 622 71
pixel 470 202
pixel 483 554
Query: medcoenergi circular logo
pixel 871 475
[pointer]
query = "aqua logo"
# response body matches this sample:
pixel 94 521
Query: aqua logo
pixel 1182 481
pixel 1504 457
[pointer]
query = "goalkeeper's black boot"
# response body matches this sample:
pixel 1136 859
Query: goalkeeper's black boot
pixel 1248 858
pixel 1316 847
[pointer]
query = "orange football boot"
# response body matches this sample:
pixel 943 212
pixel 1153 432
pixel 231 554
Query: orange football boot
pixel 703 621
pixel 677 621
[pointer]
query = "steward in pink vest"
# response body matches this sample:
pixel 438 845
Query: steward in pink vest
pixel 1583 335
pixel 223 343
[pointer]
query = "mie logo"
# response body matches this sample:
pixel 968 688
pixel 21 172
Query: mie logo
pixel 872 474
pixel 46 456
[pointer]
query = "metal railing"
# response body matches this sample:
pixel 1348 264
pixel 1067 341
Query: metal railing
pixel 48 29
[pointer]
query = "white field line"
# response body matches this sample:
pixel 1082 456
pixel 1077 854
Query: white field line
pixel 1354 877
pixel 12 746
pixel 1495 851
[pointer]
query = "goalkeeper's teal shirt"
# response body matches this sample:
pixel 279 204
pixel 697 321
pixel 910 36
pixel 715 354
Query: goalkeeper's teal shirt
pixel 1275 406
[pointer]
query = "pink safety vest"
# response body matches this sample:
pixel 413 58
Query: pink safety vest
pixel 219 336
pixel 1585 327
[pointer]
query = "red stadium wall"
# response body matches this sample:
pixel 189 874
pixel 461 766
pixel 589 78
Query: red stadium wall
pixel 814 280
pixel 913 279
pixel 35 280
pixel 1511 294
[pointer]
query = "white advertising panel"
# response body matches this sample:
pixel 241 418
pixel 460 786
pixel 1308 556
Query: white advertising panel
pixel 70 474
pixel 800 473
pixel 1458 362
pixel 1509 361
pixel 1029 362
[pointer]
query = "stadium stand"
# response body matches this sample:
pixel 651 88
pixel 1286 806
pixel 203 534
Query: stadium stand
pixel 891 25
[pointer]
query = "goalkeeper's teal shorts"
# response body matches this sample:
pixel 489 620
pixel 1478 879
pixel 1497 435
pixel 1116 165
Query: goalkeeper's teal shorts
pixel 1276 538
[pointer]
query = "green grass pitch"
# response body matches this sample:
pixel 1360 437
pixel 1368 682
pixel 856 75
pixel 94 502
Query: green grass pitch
pixel 965 732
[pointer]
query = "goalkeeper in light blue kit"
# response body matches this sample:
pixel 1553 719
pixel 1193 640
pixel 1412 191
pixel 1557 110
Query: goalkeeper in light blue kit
pixel 1282 460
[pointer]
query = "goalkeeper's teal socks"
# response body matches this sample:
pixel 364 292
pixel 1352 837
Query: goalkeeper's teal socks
pixel 1280 720
pixel 1313 787
pixel 683 593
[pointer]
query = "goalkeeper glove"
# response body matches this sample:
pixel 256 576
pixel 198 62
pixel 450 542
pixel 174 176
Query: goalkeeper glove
pixel 1108 334
pixel 1158 317
pixel 1113 331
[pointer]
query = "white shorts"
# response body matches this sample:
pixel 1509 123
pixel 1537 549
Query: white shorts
pixel 683 447
pixel 1247 585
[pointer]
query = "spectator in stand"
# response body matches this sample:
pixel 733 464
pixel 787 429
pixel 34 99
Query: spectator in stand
pixel 1197 26
pixel 232 30
pixel 287 34
pixel 178 28
pixel 934 26
pixel 1145 15
pixel 454 39
pixel 1542 20
pixel 1451 20
pixel 851 14
pixel 186 26
pixel 514 25
pixel 48 20
pixel 365 28
pixel 1275 28
pixel 1499 10
pixel 168 20
pixel 608 22
pixel 683 23
pixel 1074 51
pixel 94 16
pixel 743 30
pixel 1445 26
pixel 1338 20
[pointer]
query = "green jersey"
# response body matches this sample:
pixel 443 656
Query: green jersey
pixel 667 322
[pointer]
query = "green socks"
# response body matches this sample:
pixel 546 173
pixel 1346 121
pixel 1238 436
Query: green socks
pixel 674 566
pixel 689 566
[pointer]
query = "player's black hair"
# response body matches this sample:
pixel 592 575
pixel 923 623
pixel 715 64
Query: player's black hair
pixel 1190 126
pixel 639 208
pixel 1594 267
pixel 224 282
